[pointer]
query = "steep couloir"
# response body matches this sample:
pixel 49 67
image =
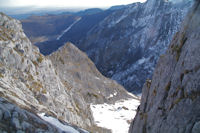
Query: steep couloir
pixel 170 102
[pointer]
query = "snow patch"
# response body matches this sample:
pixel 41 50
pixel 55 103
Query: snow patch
pixel 141 61
pixel 116 117
pixel 58 124
pixel 97 78
pixel 112 95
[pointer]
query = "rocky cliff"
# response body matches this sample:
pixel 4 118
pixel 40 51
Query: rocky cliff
pixel 34 82
pixel 170 102
pixel 29 79
pixel 127 44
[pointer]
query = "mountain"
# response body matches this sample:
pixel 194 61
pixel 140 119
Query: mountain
pixel 124 42
pixel 88 85
pixel 117 7
pixel 47 27
pixel 73 33
pixel 64 87
pixel 126 45
pixel 49 32
pixel 20 16
pixel 78 71
pixel 89 11
pixel 170 102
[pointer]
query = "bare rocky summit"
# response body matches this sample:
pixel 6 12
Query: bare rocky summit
pixel 79 72
pixel 63 87
pixel 170 102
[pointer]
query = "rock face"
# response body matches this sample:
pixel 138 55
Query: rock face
pixel 36 83
pixel 170 103
pixel 127 44
pixel 14 119
pixel 29 79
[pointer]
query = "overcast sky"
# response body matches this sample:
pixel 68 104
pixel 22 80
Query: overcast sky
pixel 65 3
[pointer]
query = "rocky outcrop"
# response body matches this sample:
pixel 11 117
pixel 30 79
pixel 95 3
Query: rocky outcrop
pixel 127 44
pixel 64 87
pixel 14 119
pixel 170 102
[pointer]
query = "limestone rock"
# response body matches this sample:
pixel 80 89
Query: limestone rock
pixel 29 79
pixel 170 103
pixel 19 123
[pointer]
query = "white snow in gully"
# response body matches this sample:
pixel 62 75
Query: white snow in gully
pixel 116 117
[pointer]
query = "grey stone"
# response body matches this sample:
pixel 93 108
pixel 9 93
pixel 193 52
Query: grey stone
pixel 7 115
pixel 15 114
pixel 196 128
pixel 1 115
pixel 39 131
pixel 174 89
pixel 20 131
pixel 25 125
pixel 15 123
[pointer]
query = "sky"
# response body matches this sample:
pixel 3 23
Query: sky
pixel 65 3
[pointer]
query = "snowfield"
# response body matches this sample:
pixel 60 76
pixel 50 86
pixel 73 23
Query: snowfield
pixel 116 117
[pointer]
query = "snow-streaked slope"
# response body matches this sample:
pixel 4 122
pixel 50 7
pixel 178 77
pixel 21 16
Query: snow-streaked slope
pixel 126 45
pixel 116 117
pixel 68 28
